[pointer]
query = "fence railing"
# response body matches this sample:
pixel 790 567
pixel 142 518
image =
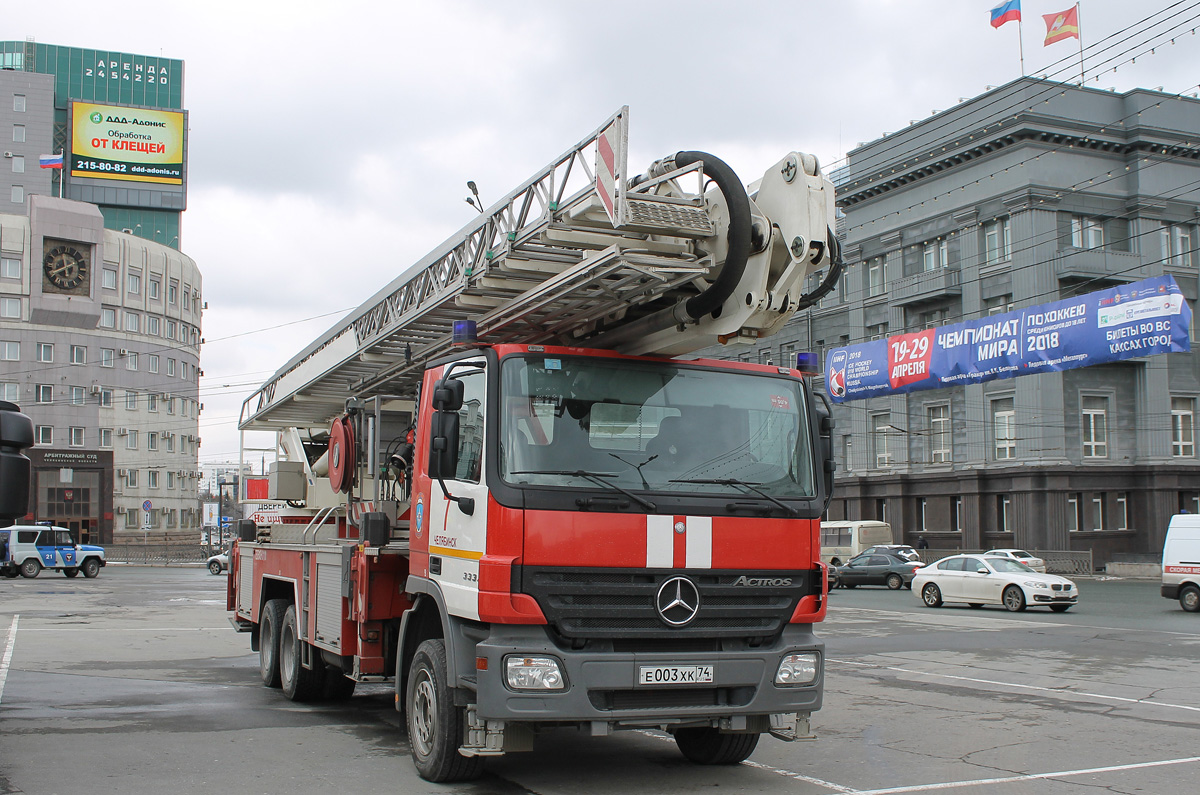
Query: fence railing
pixel 158 554
pixel 1058 561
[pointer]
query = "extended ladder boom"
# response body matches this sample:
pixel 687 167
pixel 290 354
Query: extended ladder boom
pixel 581 254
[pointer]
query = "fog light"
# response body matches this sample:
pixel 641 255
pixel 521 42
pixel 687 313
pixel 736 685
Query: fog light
pixel 533 673
pixel 797 669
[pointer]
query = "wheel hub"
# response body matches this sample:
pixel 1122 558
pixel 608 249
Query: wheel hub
pixel 424 716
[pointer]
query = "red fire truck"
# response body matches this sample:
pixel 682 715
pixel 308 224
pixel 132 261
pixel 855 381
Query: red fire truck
pixel 502 485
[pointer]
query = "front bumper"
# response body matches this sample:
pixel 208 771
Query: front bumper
pixel 1170 591
pixel 602 687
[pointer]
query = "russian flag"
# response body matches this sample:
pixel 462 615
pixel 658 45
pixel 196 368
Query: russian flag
pixel 1006 12
pixel 50 161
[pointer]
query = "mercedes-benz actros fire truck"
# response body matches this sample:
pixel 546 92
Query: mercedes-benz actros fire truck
pixel 503 486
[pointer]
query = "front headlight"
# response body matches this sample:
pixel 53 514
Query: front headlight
pixel 1033 584
pixel 797 669
pixel 533 673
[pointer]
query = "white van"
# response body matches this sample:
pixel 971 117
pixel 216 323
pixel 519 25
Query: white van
pixel 1181 561
pixel 841 541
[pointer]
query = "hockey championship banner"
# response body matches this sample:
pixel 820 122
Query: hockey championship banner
pixel 1138 319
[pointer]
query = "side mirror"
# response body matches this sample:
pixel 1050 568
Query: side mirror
pixel 16 434
pixel 982 570
pixel 825 424
pixel 448 394
pixel 443 441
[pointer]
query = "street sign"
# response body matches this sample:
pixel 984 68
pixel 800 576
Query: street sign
pixel 147 505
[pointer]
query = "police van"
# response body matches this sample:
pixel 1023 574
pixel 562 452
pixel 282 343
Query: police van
pixel 27 549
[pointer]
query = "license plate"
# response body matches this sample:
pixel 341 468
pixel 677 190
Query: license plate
pixel 675 674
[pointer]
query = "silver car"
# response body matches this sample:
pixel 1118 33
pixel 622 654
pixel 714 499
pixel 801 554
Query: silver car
pixel 1021 556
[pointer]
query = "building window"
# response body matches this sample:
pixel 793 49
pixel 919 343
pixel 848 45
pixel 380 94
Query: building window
pixel 1183 428
pixel 1095 427
pixel 18 194
pixel 76 437
pixel 152 478
pixel 10 391
pixel 877 331
pixel 933 318
pixel 847 453
pixel 78 354
pixel 106 437
pixel 131 481
pixel 1087 232
pixel 106 357
pixel 154 289
pixel 169 438
pixel 956 506
pixel 133 322
pixel 1004 427
pixel 876 276
pixel 18 133
pixel 939 434
pixel 10 268
pixel 135 283
pixel 18 164
pixel 170 329
pixel 170 480
pixel 880 426
pixel 131 361
pixel 43 393
pixel 108 279
pixel 131 401
pixel 152 326
pixel 1004 513
pixel 935 255
pixel 1098 512
pixel 151 440
pixel 172 292
pixel 45 352
pixel 106 398
pixel 1122 516
pixel 45 434
pixel 1074 512
pixel 10 307
pixel 131 514
pixel 999 304
pixel 152 362
pixel 19 103
pixel 169 402
pixel 152 402
pixel 1178 245
pixel 77 396
pixel 108 318
pixel 131 439
pixel 10 351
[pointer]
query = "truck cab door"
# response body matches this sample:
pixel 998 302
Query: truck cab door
pixel 458 538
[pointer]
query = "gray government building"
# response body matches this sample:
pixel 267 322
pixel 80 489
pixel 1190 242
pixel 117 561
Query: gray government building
pixel 1030 193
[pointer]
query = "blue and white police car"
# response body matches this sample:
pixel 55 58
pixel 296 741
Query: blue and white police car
pixel 27 549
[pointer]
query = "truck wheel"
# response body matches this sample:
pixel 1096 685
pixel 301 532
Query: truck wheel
pixel 337 686
pixel 70 572
pixel 298 683
pixel 91 568
pixel 435 725
pixel 268 641
pixel 709 747
pixel 1189 598
pixel 31 568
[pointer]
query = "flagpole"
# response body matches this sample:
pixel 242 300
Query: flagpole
pixel 62 173
pixel 1021 43
pixel 1079 30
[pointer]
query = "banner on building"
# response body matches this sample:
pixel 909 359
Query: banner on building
pixel 1143 318
pixel 127 144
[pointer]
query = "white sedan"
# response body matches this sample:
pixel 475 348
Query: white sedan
pixel 218 562
pixel 1021 556
pixel 980 580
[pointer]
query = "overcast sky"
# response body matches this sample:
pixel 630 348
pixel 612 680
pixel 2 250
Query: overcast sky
pixel 330 143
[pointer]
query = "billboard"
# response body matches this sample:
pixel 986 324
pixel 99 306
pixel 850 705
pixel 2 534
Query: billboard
pixel 1138 319
pixel 127 144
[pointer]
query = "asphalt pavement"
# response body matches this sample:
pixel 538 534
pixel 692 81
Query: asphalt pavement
pixel 135 682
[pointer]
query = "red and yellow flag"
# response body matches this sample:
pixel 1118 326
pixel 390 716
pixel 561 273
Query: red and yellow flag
pixel 1063 25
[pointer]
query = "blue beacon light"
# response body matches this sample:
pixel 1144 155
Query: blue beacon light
pixel 807 363
pixel 465 332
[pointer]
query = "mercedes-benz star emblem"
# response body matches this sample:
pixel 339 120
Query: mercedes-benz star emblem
pixel 678 601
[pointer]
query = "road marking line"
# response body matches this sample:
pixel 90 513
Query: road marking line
pixel 6 660
pixel 981 782
pixel 1058 691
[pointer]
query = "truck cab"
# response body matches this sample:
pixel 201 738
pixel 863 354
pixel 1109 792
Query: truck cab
pixel 28 549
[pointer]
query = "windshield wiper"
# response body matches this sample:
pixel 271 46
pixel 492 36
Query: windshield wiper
pixel 595 477
pixel 638 467
pixel 735 482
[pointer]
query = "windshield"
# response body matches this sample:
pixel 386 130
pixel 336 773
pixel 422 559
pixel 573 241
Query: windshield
pixel 1007 566
pixel 652 426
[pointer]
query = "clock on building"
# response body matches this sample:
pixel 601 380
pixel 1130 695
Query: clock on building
pixel 65 267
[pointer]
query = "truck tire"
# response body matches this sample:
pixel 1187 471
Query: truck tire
pixel 30 568
pixel 298 683
pixel 70 572
pixel 435 725
pixel 1189 598
pixel 91 568
pixel 707 746
pixel 268 641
